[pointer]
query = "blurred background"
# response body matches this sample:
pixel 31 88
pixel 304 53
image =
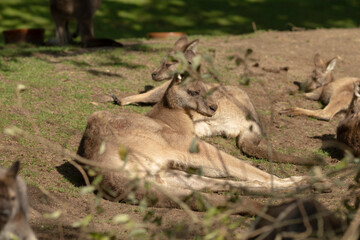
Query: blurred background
pixel 119 19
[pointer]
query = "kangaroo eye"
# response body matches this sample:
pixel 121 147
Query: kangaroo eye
pixel 168 65
pixel 193 93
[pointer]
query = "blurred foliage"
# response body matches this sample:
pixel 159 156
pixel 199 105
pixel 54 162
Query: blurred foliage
pixel 135 18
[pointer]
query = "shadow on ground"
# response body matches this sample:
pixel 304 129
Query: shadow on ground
pixel 123 19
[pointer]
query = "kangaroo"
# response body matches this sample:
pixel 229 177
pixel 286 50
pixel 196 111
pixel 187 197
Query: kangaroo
pixel 336 94
pixel 235 117
pixel 83 12
pixel 158 151
pixel 297 219
pixel 348 130
pixel 14 206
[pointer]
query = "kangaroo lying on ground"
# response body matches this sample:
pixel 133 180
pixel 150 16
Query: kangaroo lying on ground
pixel 14 206
pixel 158 151
pixel 348 130
pixel 336 94
pixel 83 12
pixel 235 117
pixel 297 219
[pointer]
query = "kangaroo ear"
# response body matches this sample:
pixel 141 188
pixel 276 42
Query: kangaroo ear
pixel 13 170
pixel 192 46
pixel 318 61
pixel 331 64
pixel 180 43
pixel 357 89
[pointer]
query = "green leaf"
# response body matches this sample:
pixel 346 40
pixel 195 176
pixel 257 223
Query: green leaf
pixel 121 218
pixel 82 223
pixel 196 62
pixel 102 148
pixel 87 189
pixel 193 146
pixel 123 152
pixel 53 215
pixel 341 165
pixel 138 232
pixel 97 180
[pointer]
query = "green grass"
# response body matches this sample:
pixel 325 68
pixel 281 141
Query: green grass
pixel 61 85
pixel 124 18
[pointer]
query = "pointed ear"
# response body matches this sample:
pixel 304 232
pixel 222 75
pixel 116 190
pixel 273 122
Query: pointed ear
pixel 191 46
pixel 13 170
pixel 180 43
pixel 318 61
pixel 331 64
pixel 357 89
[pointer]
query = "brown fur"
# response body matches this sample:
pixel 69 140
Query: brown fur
pixel 336 94
pixel 158 151
pixel 236 115
pixel 298 219
pixel 348 130
pixel 14 205
pixel 83 12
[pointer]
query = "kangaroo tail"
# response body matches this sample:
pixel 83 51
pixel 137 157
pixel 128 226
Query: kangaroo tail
pixel 261 151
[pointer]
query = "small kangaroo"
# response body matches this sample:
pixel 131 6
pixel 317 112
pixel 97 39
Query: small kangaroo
pixel 235 117
pixel 298 219
pixel 158 151
pixel 14 206
pixel 348 130
pixel 336 94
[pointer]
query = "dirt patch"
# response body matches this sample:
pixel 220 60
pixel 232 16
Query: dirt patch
pixel 279 59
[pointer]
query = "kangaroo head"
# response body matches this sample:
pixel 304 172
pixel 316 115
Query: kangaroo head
pixel 169 64
pixel 190 95
pixel 322 73
pixel 8 194
pixel 354 107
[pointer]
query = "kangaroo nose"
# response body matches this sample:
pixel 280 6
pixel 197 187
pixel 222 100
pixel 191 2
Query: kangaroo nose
pixel 213 107
pixel 153 75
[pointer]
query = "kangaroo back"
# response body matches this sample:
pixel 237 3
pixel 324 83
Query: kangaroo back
pixel 14 205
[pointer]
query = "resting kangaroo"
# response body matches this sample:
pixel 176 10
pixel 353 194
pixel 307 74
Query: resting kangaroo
pixel 336 94
pixel 348 130
pixel 236 115
pixel 158 150
pixel 14 206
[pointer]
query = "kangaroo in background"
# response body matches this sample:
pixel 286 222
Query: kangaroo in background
pixel 336 94
pixel 83 12
pixel 235 117
pixel 348 130
pixel 158 151
pixel 14 206
pixel 297 219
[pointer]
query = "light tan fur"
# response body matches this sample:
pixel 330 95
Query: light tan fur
pixel 158 150
pixel 336 94
pixel 82 11
pixel 348 130
pixel 236 115
pixel 14 206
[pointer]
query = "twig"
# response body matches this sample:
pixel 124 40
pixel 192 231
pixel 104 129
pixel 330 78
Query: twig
pixel 353 232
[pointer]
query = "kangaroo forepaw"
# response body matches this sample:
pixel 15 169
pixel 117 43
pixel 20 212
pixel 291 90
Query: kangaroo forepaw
pixel 291 112
pixel 116 100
